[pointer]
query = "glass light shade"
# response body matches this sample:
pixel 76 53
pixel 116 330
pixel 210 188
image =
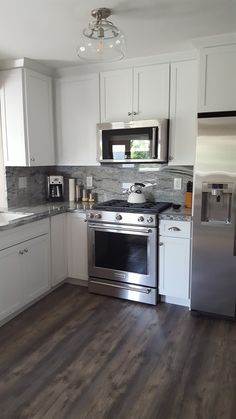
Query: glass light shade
pixel 101 41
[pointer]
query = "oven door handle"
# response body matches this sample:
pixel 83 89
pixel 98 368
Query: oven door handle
pixel 144 291
pixel 126 230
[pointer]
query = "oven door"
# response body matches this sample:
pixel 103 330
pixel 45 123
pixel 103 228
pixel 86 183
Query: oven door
pixel 123 253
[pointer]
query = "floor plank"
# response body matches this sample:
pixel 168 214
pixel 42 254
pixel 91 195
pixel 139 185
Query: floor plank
pixel 76 355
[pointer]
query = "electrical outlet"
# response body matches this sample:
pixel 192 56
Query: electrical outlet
pixel 89 182
pixel 177 183
pixel 22 182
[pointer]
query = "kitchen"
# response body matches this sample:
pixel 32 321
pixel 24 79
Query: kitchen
pixel 88 344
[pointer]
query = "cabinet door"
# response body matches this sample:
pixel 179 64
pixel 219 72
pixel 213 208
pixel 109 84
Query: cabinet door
pixel 77 102
pixel 183 113
pixel 37 267
pixel 217 90
pixel 151 92
pixel 116 95
pixel 12 117
pixel 174 257
pixel 58 248
pixel 77 246
pixel 11 278
pixel 38 108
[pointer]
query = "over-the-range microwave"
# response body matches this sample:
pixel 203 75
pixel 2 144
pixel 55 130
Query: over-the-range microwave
pixel 133 142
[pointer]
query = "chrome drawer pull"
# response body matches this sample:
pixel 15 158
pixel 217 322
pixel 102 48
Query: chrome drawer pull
pixel 174 229
pixel 161 244
pixel 146 291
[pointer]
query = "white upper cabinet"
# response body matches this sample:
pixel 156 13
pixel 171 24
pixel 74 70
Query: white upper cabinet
pixel 77 113
pixel 26 118
pixel 151 92
pixel 139 93
pixel 217 78
pixel 183 113
pixel 116 95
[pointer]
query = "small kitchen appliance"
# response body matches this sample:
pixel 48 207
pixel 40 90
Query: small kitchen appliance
pixel 136 196
pixel 55 188
pixel 133 142
pixel 123 249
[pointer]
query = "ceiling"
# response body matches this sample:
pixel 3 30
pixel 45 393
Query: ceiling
pixel 49 30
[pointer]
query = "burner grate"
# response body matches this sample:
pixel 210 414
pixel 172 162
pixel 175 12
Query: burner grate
pixel 120 205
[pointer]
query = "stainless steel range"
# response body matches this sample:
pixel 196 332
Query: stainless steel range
pixel 123 249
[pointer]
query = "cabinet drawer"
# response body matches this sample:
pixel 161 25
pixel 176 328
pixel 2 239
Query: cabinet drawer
pixel 22 233
pixel 175 228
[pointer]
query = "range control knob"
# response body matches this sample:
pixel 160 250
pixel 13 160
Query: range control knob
pixel 98 216
pixel 118 217
pixel 141 219
pixel 149 219
pixel 90 215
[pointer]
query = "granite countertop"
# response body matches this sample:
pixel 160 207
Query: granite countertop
pixel 41 211
pixel 49 209
pixel 181 214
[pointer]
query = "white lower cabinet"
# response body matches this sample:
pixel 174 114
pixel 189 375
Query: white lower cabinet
pixel 77 246
pixel 58 249
pixel 36 267
pixel 24 267
pixel 11 279
pixel 174 259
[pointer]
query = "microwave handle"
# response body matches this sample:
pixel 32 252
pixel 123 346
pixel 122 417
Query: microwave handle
pixel 154 143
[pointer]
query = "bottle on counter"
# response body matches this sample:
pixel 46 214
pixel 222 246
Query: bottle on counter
pixel 188 195
pixel 84 195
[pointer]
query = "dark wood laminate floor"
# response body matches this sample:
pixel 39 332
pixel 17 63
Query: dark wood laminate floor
pixel 77 355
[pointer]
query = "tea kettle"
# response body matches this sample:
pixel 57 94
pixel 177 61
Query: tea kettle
pixel 136 196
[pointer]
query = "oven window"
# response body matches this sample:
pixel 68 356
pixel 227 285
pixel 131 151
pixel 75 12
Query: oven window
pixel 122 252
pixel 126 144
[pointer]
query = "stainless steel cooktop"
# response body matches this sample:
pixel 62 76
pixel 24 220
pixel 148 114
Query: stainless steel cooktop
pixel 121 212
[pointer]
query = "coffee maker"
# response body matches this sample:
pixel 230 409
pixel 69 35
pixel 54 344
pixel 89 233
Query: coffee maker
pixel 55 188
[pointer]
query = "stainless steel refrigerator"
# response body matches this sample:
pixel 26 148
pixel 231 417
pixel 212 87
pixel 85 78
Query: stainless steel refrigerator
pixel 213 288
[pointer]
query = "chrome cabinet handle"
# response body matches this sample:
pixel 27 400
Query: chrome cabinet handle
pixel 171 158
pixel 129 113
pixel 32 159
pixel 26 250
pixel 135 113
pixel 174 229
pixel 161 244
pixel 21 252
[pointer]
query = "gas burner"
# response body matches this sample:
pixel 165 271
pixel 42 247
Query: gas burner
pixel 119 205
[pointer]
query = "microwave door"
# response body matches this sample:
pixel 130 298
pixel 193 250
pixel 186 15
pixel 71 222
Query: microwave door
pixel 154 143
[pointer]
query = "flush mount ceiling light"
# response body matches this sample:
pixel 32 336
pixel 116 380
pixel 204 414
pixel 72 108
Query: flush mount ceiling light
pixel 101 40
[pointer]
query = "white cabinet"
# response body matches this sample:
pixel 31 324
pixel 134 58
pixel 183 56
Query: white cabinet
pixel 174 259
pixel 77 113
pixel 77 246
pixel 116 95
pixel 26 117
pixel 217 90
pixel 139 93
pixel 36 267
pixel 183 113
pixel 58 249
pixel 11 279
pixel 24 267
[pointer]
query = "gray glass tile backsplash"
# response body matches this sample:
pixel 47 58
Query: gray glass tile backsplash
pixel 107 181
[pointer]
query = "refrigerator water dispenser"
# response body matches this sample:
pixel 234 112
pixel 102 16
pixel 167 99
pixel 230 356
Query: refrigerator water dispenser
pixel 216 202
